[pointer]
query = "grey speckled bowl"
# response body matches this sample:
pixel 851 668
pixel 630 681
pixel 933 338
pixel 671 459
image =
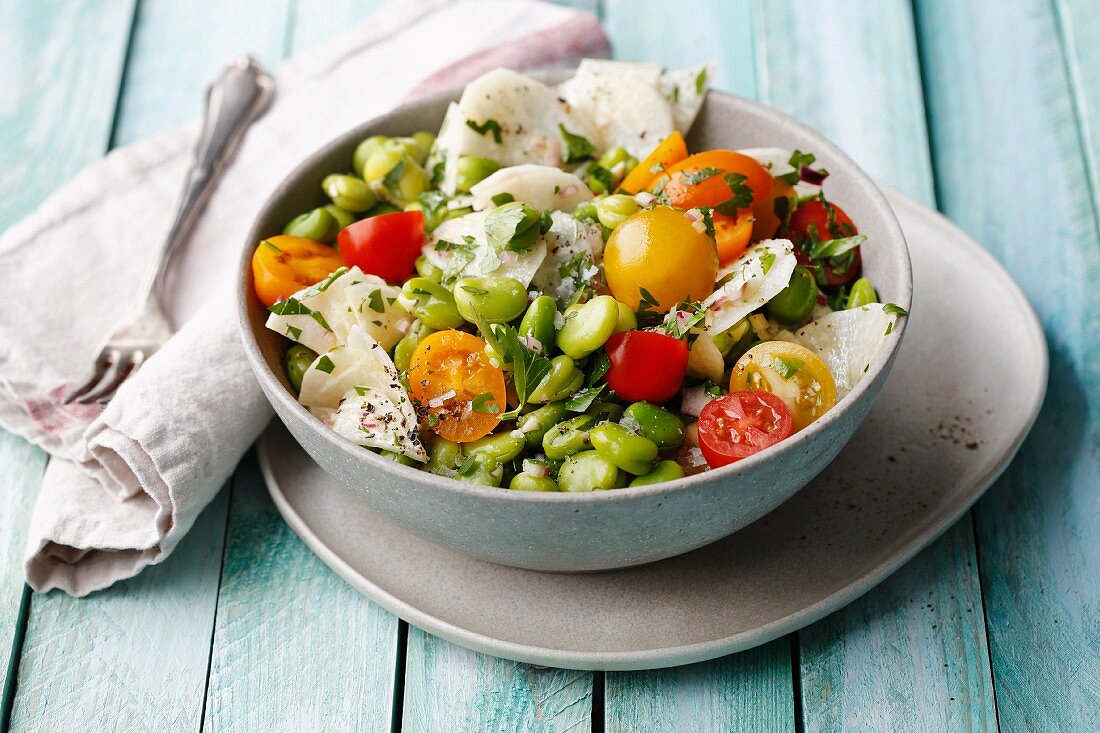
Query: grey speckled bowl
pixel 606 529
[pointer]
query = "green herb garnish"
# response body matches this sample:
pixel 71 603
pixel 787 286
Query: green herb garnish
pixel 577 147
pixel 894 308
pixel 787 366
pixel 325 364
pixel 489 125
pixel 485 403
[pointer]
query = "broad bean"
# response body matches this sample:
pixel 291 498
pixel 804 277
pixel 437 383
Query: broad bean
pixel 665 429
pixel 534 425
pixel 500 447
pixel 614 210
pixel 588 328
pixel 562 380
pixel 567 438
pixel 433 304
pixel 588 471
pixel 403 351
pixel 862 293
pixel 297 361
pixel 632 453
pixel 348 192
pixel 527 482
pixel 492 298
pixel 472 169
pixel 319 225
pixel 538 322
pixel 663 471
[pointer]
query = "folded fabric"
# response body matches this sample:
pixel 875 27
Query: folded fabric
pixel 126 483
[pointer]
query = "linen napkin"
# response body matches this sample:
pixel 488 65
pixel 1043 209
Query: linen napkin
pixel 125 483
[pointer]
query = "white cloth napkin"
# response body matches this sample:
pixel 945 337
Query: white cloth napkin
pixel 126 483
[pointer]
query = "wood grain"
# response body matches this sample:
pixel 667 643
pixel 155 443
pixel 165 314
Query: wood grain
pixel 295 648
pixel 90 659
pixel 912 654
pixel 449 688
pixel 1005 112
pixel 750 691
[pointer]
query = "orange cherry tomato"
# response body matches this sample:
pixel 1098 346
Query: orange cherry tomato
pixel 684 190
pixel 659 249
pixel 732 235
pixel 447 373
pixel 283 265
pixel 767 221
pixel 669 151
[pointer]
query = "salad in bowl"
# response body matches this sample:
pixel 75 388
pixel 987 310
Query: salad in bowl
pixel 554 293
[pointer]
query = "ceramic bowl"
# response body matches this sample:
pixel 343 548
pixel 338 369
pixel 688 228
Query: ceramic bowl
pixel 601 530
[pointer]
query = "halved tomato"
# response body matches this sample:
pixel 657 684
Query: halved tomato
pixel 699 180
pixel 739 424
pixel 791 372
pixel 283 265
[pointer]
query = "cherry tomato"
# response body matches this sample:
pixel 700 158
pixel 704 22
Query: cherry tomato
pixel 668 152
pixel 767 221
pixel 386 245
pixel 455 388
pixel 660 250
pixel 739 424
pixel 811 220
pixel 645 365
pixel 732 235
pixel 791 372
pixel 684 191
pixel 283 265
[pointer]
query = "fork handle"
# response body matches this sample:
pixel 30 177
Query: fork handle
pixel 233 102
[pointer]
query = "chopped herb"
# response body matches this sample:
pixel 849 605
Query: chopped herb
pixel 835 247
pixel 701 81
pixel 839 301
pixel 787 366
pixel 741 197
pixel 268 243
pixel 601 362
pixel 894 308
pixel 443 245
pixel 361 391
pixel 528 367
pixel 602 178
pixel 468 466
pixel 291 307
pixel 489 125
pixel 647 313
pixel 502 198
pixel 796 161
pixel 767 259
pixel 577 147
pixel 392 180
pixel 582 399
pixel 325 364
pixel 434 203
pixel 438 171
pixel 657 168
pixel 317 316
pixel 485 403
pixel 696 177
pixel 474 290
pixel 683 318
pixel 674 97
pixel 294 332
pixel 514 226
pixel 374 300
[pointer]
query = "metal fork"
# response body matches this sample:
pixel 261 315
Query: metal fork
pixel 233 102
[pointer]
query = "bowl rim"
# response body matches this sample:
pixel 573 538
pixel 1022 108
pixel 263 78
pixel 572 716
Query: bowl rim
pixel 275 391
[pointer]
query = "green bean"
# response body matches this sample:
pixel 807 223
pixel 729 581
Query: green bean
pixel 382 207
pixel 382 161
pixel 605 411
pixel 626 321
pixel 663 471
pixel 562 380
pixel 444 457
pixel 403 351
pixel 538 322
pixel 589 327
pixel 367 148
pixel 423 141
pixel 588 471
pixel 566 438
pixel 614 210
pixel 665 429
pixel 500 447
pixel 527 482
pixel 318 225
pixel 398 178
pixel 424 268
pixel 401 458
pixel 492 298
pixel 349 192
pixel 472 169
pixel 433 304
pixel 343 217
pixel 862 293
pixel 797 300
pixel 481 469
pixel 297 361
pixel 632 453
pixel 535 424
pixel 586 211
pixel 617 155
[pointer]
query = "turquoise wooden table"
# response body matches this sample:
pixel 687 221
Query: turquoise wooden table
pixel 988 109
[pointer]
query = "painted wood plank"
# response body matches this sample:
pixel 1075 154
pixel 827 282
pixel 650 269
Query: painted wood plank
pixel 1001 102
pixel 60 76
pixel 912 654
pixel 1079 24
pixel 686 33
pixel 57 57
pixel 171 606
pixel 295 647
pixel 750 691
pixel 451 688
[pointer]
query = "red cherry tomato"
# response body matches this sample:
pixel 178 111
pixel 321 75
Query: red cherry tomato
pixel 741 423
pixel 386 245
pixel 811 221
pixel 646 366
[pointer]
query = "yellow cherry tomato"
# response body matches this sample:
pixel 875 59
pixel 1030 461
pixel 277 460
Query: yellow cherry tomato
pixel 659 249
pixel 283 265
pixel 455 387
pixel 791 372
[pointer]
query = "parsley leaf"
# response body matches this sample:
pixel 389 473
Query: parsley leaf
pixel 291 307
pixel 694 178
pixel 514 226
pixel 701 81
pixel 485 403
pixel 489 125
pixel 683 318
pixel 374 300
pixel 741 197
pixel 767 259
pixel 582 399
pixel 835 247
pixel 325 364
pixel 787 366
pixel 894 308
pixel 647 313
pixel 392 180
pixel 796 161
pixel 528 367
pixel 577 147
pixel 601 362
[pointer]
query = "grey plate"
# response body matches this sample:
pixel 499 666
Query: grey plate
pixel 941 432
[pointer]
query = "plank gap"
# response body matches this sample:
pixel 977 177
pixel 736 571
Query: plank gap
pixel 598 682
pixel 217 595
pixel 796 681
pixel 970 515
pixel 127 58
pixel 11 683
pixel 398 707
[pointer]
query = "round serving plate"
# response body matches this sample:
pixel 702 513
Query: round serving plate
pixel 940 433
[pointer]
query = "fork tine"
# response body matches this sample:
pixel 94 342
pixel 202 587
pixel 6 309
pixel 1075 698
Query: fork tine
pixel 123 370
pixel 103 363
